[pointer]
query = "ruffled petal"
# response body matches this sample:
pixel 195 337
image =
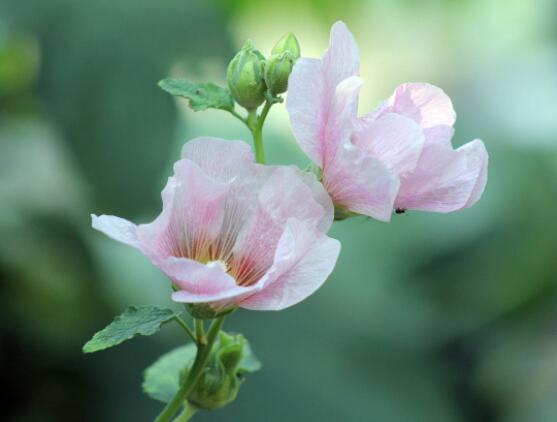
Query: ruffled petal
pixel 361 183
pixel 424 103
pixel 219 159
pixel 312 88
pixel 304 258
pixel 341 60
pixel 477 157
pixel 395 140
pixel 445 180
pixel 305 105
pixel 116 228
pixel 320 195
pixel 199 283
pixel 283 195
pixel 195 218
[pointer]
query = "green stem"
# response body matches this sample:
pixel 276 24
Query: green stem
pixel 203 350
pixel 187 412
pixel 238 116
pixel 199 332
pixel 255 125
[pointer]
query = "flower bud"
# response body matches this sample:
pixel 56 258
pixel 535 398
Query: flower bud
pixel 245 77
pixel 288 43
pixel 220 382
pixel 277 71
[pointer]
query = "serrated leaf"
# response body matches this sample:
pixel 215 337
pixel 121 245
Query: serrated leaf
pixel 161 380
pixel 136 320
pixel 201 96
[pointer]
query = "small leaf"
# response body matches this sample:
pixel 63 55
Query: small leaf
pixel 161 380
pixel 136 320
pixel 201 95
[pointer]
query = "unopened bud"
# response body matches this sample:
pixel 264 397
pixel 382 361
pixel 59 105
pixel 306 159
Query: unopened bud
pixel 245 77
pixel 288 43
pixel 220 382
pixel 277 70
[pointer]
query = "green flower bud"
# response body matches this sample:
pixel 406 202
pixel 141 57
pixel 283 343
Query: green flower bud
pixel 288 43
pixel 220 382
pixel 277 71
pixel 245 77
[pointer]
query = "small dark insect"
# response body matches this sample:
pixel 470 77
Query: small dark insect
pixel 400 210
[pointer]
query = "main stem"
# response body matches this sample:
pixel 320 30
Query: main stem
pixel 203 350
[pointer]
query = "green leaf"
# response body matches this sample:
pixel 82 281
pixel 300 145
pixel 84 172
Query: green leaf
pixel 200 95
pixel 161 380
pixel 136 320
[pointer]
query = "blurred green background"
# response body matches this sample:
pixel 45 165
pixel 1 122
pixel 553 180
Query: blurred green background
pixel 428 318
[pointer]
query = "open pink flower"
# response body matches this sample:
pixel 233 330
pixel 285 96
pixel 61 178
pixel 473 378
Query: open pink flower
pixel 235 233
pixel 398 157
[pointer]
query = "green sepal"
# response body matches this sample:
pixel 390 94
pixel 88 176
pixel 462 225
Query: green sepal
pixel 342 213
pixel 201 96
pixel 205 311
pixel 136 320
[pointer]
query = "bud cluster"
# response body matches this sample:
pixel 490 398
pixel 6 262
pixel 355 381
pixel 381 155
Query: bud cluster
pixel 221 379
pixel 252 78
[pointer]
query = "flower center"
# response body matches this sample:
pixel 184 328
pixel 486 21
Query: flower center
pixel 218 263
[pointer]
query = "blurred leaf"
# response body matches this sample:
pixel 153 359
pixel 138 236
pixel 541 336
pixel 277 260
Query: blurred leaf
pixel 162 378
pixel 140 320
pixel 201 96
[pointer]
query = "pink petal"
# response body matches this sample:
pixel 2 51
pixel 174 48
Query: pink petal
pixel 195 218
pixel 340 125
pixel 477 157
pixel 361 183
pixel 312 91
pixel 116 228
pixel 305 105
pixel 199 283
pixel 426 104
pixel 303 260
pixel 445 180
pixel 393 139
pixel 320 195
pixel 283 195
pixel 341 59
pixel 219 159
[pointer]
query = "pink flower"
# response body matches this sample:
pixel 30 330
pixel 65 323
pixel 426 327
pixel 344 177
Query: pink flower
pixel 235 233
pixel 398 157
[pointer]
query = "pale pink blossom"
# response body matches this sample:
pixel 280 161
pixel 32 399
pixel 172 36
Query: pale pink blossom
pixel 398 157
pixel 235 233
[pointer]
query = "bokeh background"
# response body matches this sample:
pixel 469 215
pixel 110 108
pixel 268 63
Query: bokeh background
pixel 428 318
